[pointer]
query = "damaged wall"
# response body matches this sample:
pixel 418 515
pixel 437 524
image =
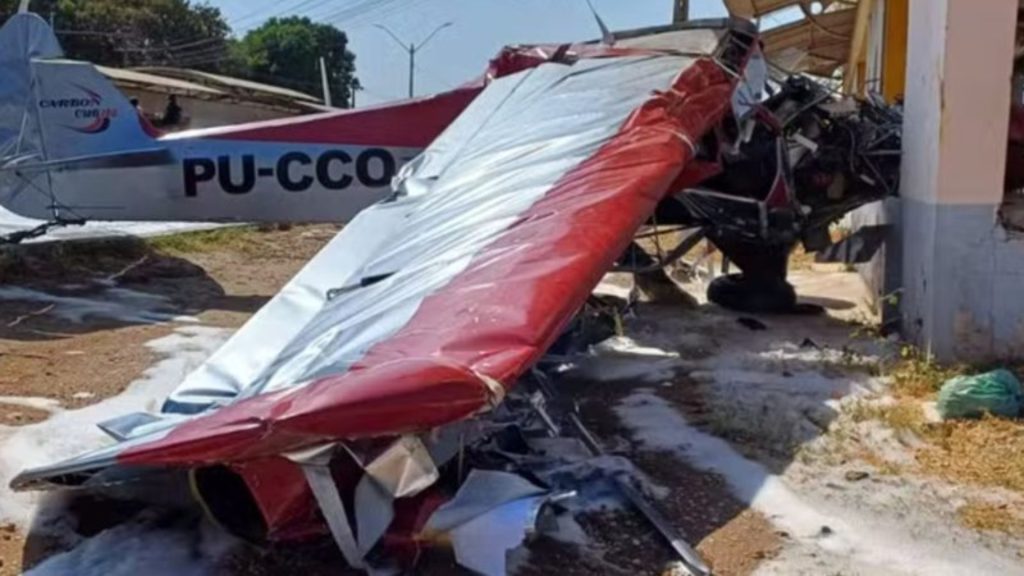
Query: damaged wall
pixel 883 275
pixel 961 270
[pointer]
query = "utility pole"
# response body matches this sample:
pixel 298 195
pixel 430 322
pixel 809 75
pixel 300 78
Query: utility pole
pixel 681 12
pixel 325 84
pixel 412 49
pixel 353 87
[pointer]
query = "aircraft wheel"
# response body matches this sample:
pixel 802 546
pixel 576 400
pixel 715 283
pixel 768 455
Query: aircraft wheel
pixel 754 296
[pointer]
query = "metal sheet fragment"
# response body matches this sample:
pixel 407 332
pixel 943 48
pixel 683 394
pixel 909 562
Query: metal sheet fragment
pixel 326 492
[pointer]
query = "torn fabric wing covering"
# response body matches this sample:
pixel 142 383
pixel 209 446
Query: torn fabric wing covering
pixel 445 294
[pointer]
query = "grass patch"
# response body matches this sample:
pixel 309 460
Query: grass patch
pixel 902 416
pixel 230 237
pixel 991 518
pixel 986 452
pixel 882 466
pixel 917 376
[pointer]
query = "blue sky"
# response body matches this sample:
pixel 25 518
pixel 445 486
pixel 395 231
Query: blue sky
pixel 459 53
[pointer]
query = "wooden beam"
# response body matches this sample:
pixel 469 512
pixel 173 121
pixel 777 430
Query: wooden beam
pixel 858 44
pixel 894 57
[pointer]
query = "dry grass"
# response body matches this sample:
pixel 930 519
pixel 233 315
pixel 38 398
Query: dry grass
pixel 987 452
pixel 991 518
pixel 902 416
pixel 232 237
pixel 917 376
pixel 882 466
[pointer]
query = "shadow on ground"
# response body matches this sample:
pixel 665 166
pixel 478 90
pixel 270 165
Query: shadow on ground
pixel 733 382
pixel 61 289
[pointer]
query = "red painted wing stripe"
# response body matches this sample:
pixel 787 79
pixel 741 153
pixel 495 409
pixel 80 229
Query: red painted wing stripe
pixel 497 317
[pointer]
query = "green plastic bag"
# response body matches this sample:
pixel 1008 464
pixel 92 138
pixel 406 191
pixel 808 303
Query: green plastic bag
pixel 997 392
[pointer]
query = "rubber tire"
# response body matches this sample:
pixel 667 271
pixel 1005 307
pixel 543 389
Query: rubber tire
pixel 737 292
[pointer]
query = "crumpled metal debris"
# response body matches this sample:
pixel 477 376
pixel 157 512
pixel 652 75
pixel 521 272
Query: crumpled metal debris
pixel 492 513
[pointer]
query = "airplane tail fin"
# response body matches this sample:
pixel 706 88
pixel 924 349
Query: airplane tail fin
pixel 53 110
pixel 23 38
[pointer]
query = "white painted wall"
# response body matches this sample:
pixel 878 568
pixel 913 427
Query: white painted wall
pixel 962 272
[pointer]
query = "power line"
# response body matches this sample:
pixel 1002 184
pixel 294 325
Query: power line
pixel 359 7
pixel 303 8
pixel 263 12
pixel 174 47
pixel 364 13
pixel 93 33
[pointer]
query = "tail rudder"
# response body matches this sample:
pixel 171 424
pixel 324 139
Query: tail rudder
pixel 23 37
pixel 56 115
pixel 81 113
pixel 53 109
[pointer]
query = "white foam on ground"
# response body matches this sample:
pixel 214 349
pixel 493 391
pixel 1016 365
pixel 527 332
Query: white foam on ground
pixel 621 359
pixel 11 222
pixel 147 544
pixel 118 304
pixel 142 547
pixel 72 432
pixel 859 539
pixel 44 404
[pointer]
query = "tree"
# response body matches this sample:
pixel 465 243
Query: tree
pixel 287 51
pixel 180 33
pixel 136 32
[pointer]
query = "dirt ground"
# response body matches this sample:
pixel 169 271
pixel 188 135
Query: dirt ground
pixel 218 279
pixel 49 361
pixel 77 320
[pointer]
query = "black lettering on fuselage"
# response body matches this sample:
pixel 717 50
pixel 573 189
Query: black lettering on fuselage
pixel 227 183
pixel 293 171
pixel 364 172
pixel 284 173
pixel 197 170
pixel 323 170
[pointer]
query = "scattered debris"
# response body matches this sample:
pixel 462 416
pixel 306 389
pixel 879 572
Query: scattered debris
pixel 856 475
pixel 24 317
pixel 492 513
pixel 751 323
pixel 808 343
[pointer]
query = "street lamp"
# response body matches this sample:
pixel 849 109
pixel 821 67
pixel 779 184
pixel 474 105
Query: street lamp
pixel 681 12
pixel 412 49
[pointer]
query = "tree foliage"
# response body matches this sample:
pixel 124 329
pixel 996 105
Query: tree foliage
pixel 287 51
pixel 135 32
pixel 187 34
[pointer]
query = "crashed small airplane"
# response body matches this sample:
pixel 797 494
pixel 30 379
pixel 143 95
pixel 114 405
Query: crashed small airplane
pixel 375 397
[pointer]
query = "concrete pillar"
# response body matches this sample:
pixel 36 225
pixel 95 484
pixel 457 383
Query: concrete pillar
pixel 963 274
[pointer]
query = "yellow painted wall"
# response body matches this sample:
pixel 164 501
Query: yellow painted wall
pixel 894 56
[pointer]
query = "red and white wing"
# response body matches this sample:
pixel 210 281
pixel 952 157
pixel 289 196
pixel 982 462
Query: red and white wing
pixel 441 297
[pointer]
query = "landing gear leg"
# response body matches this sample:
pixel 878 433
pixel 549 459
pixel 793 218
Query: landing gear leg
pixel 761 287
pixel 653 283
